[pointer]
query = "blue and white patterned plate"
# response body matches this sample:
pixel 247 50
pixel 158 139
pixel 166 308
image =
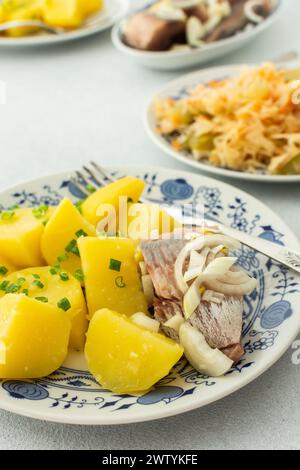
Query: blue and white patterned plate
pixel 271 317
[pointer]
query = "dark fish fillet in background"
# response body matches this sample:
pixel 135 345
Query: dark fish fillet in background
pixel 221 324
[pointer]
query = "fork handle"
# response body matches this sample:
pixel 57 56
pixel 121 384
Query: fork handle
pixel 286 256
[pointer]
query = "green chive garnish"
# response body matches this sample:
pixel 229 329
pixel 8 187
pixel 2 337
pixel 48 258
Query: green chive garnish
pixel 4 285
pixel 90 188
pixel 7 215
pixel 38 284
pixel 62 258
pixel 72 247
pixel 3 270
pixel 45 222
pixel 25 291
pixel 119 281
pixel 42 299
pixel 64 276
pixel 64 304
pixel 79 275
pixel 53 271
pixel 36 276
pixel 40 211
pixel 13 288
pixel 78 205
pixel 115 264
pixel 81 233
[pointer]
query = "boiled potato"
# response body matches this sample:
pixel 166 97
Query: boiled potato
pixel 145 220
pixel 5 267
pixel 111 275
pixel 126 358
pixel 129 187
pixel 20 236
pixel 51 286
pixel 89 7
pixel 59 240
pixel 34 337
pixel 66 13
pixel 24 10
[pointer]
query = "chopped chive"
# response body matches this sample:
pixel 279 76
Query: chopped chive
pixel 4 285
pixel 53 270
pixel 81 233
pixel 36 276
pixel 115 264
pixel 90 188
pixel 64 276
pixel 78 205
pixel 15 206
pixel 45 222
pixel 38 284
pixel 64 304
pixel 72 247
pixel 119 281
pixel 79 275
pixel 62 258
pixel 3 270
pixel 42 299
pixel 13 288
pixel 40 211
pixel 20 280
pixel 7 215
pixel 25 291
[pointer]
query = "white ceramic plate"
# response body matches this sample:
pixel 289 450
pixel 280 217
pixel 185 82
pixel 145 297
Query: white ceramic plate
pixel 271 316
pixel 113 11
pixel 177 88
pixel 172 60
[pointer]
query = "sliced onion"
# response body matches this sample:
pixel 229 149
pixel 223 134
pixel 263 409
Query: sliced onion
pixel 191 299
pixel 186 3
pixel 200 242
pixel 148 288
pixel 234 277
pixel 197 260
pixel 140 319
pixel 250 13
pixel 219 267
pixel 175 322
pixel 143 268
pixel 200 355
pixel 212 296
pixel 231 289
pixel 195 31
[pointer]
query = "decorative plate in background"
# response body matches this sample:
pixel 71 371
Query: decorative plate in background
pixel 271 317
pixel 113 11
pixel 179 88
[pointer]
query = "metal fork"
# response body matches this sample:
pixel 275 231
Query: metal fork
pixel 30 23
pixel 100 177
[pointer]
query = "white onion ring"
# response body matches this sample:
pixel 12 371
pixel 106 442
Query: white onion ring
pixel 250 13
pixel 231 289
pixel 234 278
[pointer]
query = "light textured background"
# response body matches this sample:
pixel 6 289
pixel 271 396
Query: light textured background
pixel 72 103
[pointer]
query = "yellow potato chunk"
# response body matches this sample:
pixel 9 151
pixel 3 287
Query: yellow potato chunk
pixel 126 358
pixel 40 283
pixel 146 220
pixel 5 267
pixel 111 275
pixel 66 14
pixel 88 7
pixel 59 240
pixel 110 194
pixel 20 237
pixel 33 337
pixel 24 10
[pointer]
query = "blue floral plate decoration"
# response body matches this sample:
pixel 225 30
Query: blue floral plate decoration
pixel 270 324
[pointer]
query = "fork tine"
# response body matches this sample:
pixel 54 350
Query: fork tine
pixel 95 179
pixel 102 172
pixel 79 186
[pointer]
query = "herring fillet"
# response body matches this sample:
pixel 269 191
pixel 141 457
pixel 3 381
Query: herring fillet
pixel 221 324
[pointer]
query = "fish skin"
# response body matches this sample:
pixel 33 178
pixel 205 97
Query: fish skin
pixel 221 324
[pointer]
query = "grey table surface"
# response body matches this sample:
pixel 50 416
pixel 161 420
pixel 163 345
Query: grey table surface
pixel 83 100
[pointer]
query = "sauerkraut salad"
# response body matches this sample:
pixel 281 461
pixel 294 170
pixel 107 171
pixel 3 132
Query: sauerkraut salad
pixel 247 123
